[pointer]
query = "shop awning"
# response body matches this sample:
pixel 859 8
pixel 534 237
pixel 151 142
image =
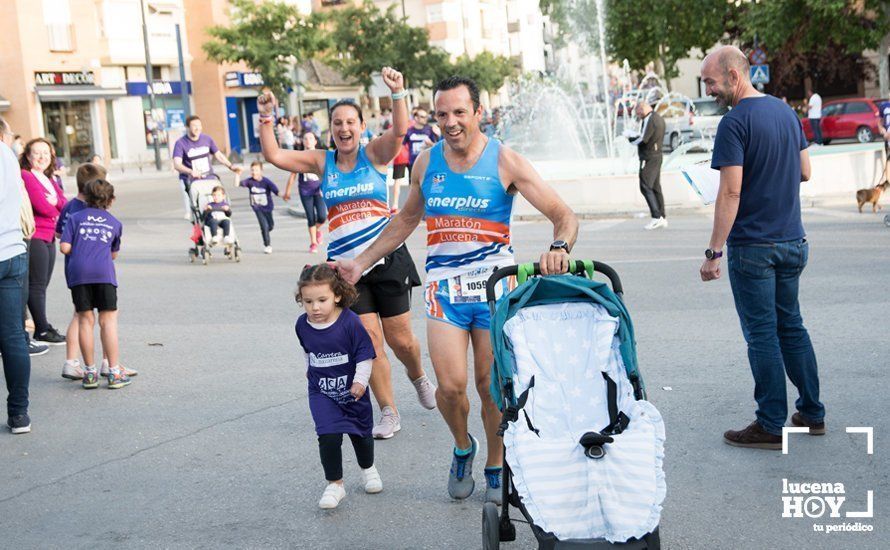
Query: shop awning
pixel 73 93
pixel 4 104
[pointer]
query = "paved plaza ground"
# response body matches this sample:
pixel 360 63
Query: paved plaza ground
pixel 213 445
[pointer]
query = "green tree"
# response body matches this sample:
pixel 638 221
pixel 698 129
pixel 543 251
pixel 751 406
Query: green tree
pixel 644 31
pixel 819 39
pixel 490 71
pixel 270 37
pixel 364 39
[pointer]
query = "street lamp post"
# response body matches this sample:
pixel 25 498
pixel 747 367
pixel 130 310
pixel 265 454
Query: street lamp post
pixel 151 92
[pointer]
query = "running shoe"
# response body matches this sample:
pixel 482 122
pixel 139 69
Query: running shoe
pixel 426 392
pixel 389 424
pixel 105 369
pixel 313 248
pixel 35 349
pixel 460 478
pixel 332 496
pixel 90 378
pixel 267 250
pixel 117 378
pixel 72 370
pixel 19 423
pixel 371 478
pixel 493 490
pixel 50 337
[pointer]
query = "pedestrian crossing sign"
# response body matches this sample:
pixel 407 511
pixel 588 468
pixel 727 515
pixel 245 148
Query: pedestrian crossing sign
pixel 760 74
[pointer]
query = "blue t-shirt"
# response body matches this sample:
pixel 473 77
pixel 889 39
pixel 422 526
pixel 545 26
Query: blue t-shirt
pixel 333 354
pixel 71 207
pixel 261 193
pixel 764 137
pixel 93 234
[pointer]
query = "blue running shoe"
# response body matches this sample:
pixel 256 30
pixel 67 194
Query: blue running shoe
pixel 460 479
pixel 493 491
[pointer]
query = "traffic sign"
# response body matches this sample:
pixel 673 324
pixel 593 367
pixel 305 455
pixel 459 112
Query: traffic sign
pixel 757 56
pixel 760 74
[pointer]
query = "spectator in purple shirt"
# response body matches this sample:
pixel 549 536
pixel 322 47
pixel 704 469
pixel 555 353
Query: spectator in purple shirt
pixel 193 156
pixel 91 239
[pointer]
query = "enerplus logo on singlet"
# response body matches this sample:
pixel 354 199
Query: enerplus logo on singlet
pixel 458 203
pixel 360 189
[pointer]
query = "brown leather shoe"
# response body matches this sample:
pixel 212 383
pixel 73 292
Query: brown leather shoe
pixel 816 428
pixel 753 437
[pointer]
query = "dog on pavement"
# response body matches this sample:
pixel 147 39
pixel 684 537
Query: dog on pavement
pixel 872 195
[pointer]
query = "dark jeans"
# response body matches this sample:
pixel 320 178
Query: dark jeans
pixel 316 211
pixel 13 338
pixel 214 226
pixel 267 224
pixel 332 457
pixel 816 125
pixel 765 280
pixel 650 185
pixel 42 258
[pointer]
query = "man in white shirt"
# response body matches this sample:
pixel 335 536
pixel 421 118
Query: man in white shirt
pixel 13 269
pixel 814 113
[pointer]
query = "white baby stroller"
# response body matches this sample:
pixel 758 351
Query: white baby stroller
pixel 200 195
pixel 583 448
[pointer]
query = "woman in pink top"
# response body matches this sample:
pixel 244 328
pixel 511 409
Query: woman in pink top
pixel 38 164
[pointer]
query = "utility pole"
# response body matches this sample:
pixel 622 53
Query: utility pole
pixel 184 92
pixel 151 91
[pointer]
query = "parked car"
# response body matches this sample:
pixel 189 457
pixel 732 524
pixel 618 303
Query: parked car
pixel 698 119
pixel 856 118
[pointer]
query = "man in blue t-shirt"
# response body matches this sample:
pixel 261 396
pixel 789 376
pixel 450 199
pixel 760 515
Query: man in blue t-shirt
pixel 761 152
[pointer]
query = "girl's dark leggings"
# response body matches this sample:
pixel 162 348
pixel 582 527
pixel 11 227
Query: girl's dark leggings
pixel 329 447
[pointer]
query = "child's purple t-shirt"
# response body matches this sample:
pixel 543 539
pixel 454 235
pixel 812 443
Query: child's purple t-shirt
pixel 261 193
pixel 93 234
pixel 333 354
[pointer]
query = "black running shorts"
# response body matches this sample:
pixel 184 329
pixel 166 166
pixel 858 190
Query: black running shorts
pixel 386 289
pixel 96 296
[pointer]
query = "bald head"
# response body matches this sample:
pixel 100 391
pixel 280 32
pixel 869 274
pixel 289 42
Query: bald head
pixel 727 58
pixel 726 74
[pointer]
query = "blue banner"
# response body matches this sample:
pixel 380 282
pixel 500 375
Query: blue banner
pixel 160 87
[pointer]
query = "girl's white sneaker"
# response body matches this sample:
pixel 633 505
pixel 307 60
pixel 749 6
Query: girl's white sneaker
pixel 332 496
pixel 371 477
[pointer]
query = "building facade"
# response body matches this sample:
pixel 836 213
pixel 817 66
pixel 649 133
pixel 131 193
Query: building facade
pixel 73 71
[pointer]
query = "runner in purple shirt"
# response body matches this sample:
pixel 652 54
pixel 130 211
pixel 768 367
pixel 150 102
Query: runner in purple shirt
pixel 420 136
pixel 339 355
pixel 310 195
pixel 193 156
pixel 261 191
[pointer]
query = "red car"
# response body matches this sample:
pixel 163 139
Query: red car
pixel 856 118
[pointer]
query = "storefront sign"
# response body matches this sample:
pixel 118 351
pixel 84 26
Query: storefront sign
pixel 159 87
pixel 48 78
pixel 235 79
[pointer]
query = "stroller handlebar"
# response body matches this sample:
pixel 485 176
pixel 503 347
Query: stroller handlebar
pixel 578 267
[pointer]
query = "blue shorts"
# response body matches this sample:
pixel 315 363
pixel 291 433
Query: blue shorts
pixel 465 316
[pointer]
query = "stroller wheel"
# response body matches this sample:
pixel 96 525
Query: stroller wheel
pixel 887 220
pixel 237 253
pixel 490 534
pixel 191 256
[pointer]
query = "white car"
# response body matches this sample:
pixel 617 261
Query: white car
pixel 698 120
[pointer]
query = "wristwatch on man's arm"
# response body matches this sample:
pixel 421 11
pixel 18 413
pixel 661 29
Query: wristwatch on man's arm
pixel 560 244
pixel 712 254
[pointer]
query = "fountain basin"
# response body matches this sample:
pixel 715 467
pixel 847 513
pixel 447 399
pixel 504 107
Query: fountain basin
pixel 611 186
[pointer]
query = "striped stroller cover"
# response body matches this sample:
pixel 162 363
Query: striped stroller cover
pixel 561 342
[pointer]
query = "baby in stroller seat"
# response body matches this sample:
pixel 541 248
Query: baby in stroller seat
pixel 216 217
